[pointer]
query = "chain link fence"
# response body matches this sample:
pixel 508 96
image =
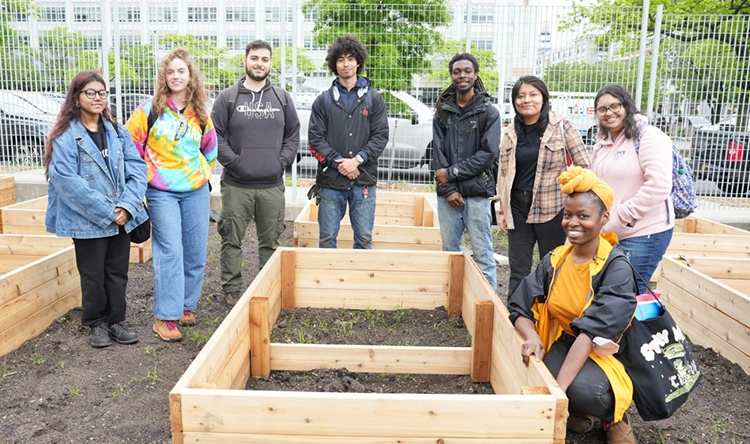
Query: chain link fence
pixel 691 78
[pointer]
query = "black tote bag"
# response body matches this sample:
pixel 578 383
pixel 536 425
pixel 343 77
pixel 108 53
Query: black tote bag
pixel 660 361
pixel 141 233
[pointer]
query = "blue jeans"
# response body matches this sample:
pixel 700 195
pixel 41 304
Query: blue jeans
pixel 474 217
pixel 179 240
pixel 361 215
pixel 590 392
pixel 645 253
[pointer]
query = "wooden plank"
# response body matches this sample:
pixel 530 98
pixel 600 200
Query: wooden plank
pixel 699 333
pixel 32 275
pixel 456 283
pixel 233 438
pixel 18 310
pixel 418 211
pixel 726 245
pixel 372 358
pixel 411 261
pixel 372 298
pixel 740 285
pixel 369 415
pixel 288 279
pixel 175 417
pixel 719 267
pixel 260 338
pixel 15 336
pixel 429 219
pixel 711 292
pixel 481 341
pixel 427 281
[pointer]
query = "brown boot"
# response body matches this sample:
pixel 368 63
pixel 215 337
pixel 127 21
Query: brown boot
pixel 187 319
pixel 620 432
pixel 580 422
pixel 167 330
pixel 232 297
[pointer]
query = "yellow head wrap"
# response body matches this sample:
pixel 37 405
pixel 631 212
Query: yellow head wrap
pixel 581 180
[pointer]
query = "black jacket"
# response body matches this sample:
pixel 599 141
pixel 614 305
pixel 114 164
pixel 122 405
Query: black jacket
pixel 458 146
pixel 336 133
pixel 614 300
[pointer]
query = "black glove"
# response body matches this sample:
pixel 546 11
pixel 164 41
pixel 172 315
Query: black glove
pixel 315 192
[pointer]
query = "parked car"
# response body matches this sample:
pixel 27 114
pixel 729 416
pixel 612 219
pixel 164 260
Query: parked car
pixel 722 157
pixel 410 138
pixel 130 101
pixel 24 126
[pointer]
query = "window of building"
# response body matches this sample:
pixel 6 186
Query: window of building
pixel 238 42
pixel 309 43
pixel 481 15
pixel 53 14
pixel 92 43
pixel 130 14
pixel 209 38
pixel 87 14
pixel 19 16
pixel 162 14
pixel 311 16
pixel 483 44
pixel 202 14
pixel 274 41
pixel 273 14
pixel 240 14
pixel 128 41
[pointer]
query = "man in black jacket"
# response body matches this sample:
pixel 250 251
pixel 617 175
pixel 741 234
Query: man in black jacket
pixel 466 139
pixel 258 133
pixel 348 132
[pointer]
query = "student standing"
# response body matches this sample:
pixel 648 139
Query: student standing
pixel 348 132
pixel 95 195
pixel 175 135
pixel 465 137
pixel 534 152
pixel 258 133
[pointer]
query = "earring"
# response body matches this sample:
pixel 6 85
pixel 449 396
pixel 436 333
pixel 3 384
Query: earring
pixel 78 105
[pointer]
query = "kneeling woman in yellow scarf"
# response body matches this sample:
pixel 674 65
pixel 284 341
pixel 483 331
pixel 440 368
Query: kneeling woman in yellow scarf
pixel 574 308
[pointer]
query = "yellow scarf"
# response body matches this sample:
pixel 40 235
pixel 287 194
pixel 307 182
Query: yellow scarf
pixel 549 329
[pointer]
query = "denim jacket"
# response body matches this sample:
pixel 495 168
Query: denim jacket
pixel 83 191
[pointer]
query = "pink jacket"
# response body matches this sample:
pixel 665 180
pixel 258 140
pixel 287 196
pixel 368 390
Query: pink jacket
pixel 641 182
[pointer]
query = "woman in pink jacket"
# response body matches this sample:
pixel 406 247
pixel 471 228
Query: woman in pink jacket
pixel 635 159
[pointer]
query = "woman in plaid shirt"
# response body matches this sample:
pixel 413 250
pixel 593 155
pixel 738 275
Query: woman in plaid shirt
pixel 533 153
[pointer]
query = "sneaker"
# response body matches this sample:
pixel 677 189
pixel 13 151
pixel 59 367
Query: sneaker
pixel 100 337
pixel 187 319
pixel 620 432
pixel 232 297
pixel 122 335
pixel 167 330
pixel 580 422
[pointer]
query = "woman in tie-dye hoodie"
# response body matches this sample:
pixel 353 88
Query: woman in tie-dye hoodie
pixel 176 138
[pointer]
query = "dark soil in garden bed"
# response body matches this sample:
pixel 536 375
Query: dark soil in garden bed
pixel 57 389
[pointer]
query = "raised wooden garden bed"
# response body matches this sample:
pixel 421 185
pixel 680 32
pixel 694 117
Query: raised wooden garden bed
pixel 28 218
pixel 696 237
pixel 708 297
pixel 39 283
pixel 7 191
pixel 403 221
pixel 208 404
pixel 698 225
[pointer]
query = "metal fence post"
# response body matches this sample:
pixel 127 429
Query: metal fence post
pixel 654 63
pixel 642 55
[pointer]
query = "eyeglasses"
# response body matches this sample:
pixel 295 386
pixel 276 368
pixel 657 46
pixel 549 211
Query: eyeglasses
pixel 90 93
pixel 182 129
pixel 602 110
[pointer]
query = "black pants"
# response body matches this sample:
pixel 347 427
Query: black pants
pixel 103 266
pixel 522 238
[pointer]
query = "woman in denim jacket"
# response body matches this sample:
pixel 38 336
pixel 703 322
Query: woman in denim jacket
pixel 97 182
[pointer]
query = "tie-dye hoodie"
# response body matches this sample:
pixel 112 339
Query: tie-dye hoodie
pixel 175 163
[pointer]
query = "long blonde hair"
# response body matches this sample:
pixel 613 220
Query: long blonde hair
pixel 196 92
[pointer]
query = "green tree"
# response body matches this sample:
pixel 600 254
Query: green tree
pixel 13 50
pixel 704 48
pixel 60 50
pixel 487 64
pixel 398 35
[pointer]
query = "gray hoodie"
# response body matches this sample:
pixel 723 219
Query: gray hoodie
pixel 260 140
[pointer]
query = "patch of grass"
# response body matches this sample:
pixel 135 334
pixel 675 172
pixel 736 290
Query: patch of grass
pixel 153 375
pixel 6 369
pixel 38 360
pixel 61 363
pixel 197 336
pixel 75 391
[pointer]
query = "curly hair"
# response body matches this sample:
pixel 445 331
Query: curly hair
pixel 464 56
pixel 346 45
pixel 536 82
pixel 70 111
pixel 619 92
pixel 196 93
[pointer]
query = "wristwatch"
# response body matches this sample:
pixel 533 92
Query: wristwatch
pixel 360 159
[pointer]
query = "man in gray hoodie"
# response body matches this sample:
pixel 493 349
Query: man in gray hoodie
pixel 258 133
